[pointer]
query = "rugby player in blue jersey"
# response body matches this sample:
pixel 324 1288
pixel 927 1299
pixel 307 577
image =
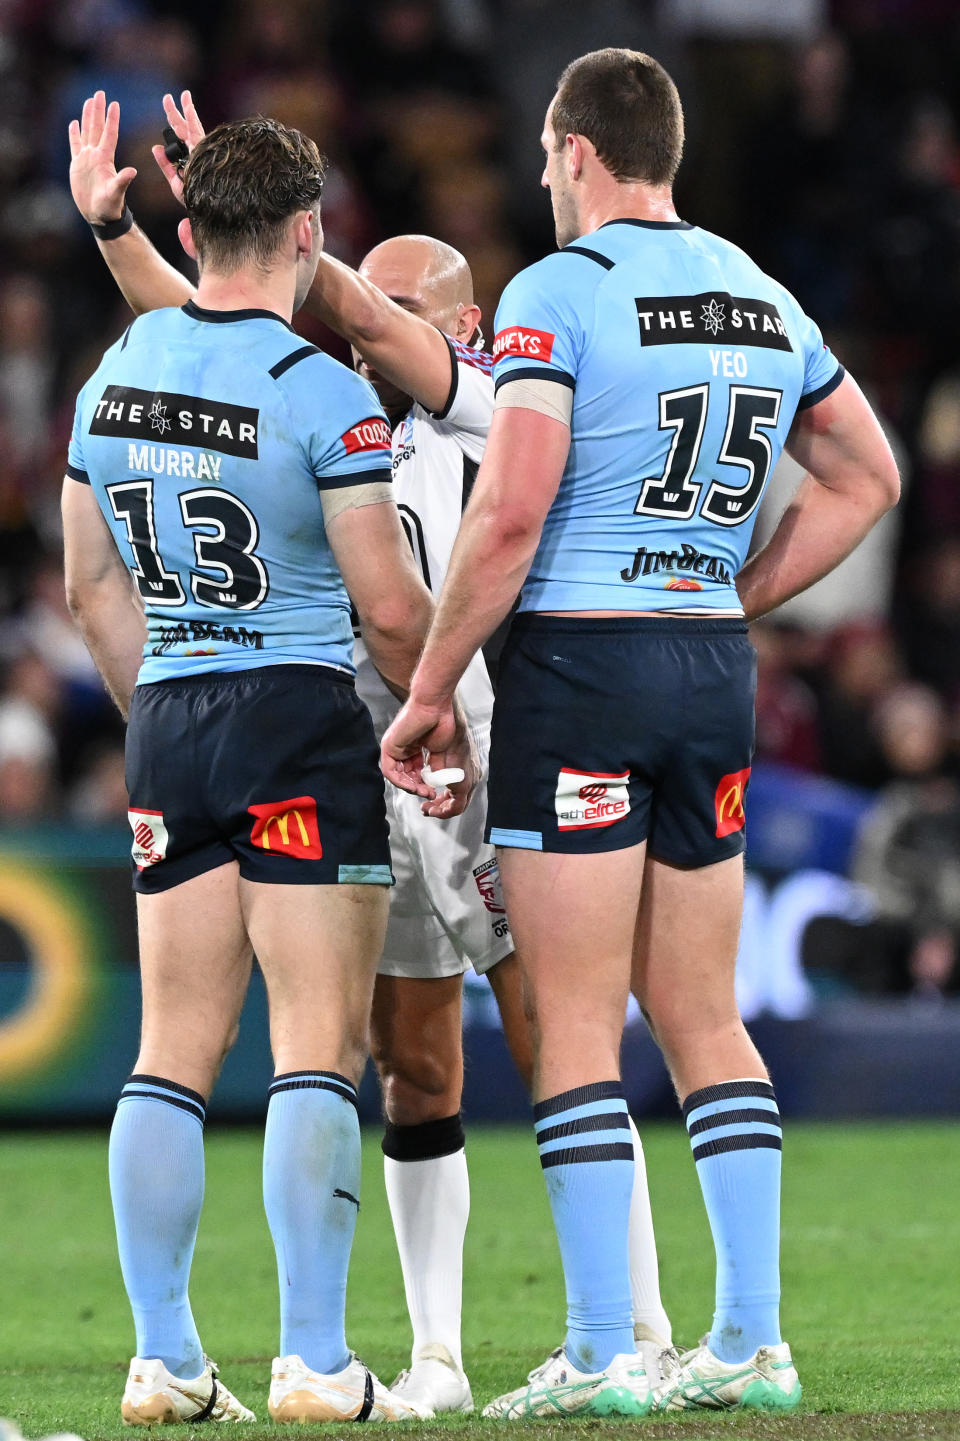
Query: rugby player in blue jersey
pixel 227 486
pixel 648 376
pixel 410 315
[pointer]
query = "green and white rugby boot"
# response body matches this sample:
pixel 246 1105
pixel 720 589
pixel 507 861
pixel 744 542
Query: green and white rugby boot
pixel 557 1388
pixel 768 1381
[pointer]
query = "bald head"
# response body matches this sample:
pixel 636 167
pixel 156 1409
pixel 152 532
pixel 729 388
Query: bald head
pixel 425 276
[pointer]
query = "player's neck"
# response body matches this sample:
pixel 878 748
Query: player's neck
pixel 247 290
pixel 618 200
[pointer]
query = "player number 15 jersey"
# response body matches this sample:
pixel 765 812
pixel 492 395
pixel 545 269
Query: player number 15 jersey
pixel 687 365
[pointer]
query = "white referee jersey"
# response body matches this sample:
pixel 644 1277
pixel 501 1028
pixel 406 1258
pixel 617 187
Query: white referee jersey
pixel 435 461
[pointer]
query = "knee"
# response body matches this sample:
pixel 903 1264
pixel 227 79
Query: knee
pixel 417 1084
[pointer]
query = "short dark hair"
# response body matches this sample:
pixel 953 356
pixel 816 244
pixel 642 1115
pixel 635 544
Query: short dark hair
pixel 626 105
pixel 242 183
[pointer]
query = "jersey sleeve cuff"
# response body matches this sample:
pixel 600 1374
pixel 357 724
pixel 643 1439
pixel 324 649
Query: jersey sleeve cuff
pixel 75 473
pixel 822 391
pixel 535 372
pixel 381 475
pixel 454 383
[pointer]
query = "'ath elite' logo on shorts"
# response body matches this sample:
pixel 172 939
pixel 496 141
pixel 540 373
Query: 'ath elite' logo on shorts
pixel 168 418
pixel 370 434
pixel 713 318
pixel 728 802
pixel 150 838
pixel 288 828
pixel 531 344
pixel 487 878
pixel 591 798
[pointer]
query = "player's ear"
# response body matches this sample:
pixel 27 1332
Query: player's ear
pixel 468 319
pixel 576 154
pixel 307 232
pixel 185 232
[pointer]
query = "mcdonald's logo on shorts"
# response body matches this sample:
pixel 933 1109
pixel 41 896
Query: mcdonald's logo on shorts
pixel 288 828
pixel 728 802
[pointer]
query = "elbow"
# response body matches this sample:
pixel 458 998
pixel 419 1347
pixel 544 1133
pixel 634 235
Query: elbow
pixel 889 485
pixel 394 619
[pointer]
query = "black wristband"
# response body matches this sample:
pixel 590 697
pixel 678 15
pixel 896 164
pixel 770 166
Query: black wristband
pixel 114 228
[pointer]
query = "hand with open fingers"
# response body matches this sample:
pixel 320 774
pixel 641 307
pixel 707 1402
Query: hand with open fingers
pixel 435 738
pixel 185 123
pixel 99 190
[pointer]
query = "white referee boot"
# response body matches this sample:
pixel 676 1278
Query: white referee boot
pixel 434 1380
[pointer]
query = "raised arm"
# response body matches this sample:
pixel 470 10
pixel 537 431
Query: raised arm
pixel 405 349
pixel 100 593
pixel 851 481
pixel 99 192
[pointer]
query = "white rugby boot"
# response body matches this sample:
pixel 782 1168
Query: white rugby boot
pixel 153 1396
pixel 768 1381
pixel 435 1381
pixel 557 1388
pixel 660 1359
pixel 353 1394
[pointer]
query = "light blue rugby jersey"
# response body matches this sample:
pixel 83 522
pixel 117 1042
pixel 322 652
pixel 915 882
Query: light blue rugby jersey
pixel 207 437
pixel 687 366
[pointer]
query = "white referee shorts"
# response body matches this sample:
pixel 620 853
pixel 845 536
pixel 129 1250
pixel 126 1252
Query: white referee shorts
pixel 446 909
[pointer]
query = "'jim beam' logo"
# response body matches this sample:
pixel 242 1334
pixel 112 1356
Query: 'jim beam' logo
pixel 167 418
pixel 713 318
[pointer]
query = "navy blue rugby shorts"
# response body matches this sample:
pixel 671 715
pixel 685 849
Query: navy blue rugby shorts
pixel 276 768
pixel 608 732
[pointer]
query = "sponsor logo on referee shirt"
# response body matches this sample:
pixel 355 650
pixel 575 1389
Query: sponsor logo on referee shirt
pixel 287 828
pixel 487 878
pixel 713 315
pixel 175 419
pixel 150 837
pixel 524 342
pixel 370 434
pixel 585 799
pixel 728 802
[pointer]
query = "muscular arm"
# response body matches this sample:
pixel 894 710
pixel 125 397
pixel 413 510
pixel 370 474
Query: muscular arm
pixel 100 593
pixel 146 280
pixel 403 348
pixel 851 481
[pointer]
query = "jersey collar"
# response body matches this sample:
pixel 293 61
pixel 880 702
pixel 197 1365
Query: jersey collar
pixel 648 224
pixel 225 317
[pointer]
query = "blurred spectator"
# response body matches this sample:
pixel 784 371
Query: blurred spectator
pixel 99 795
pixel 786 706
pixel 28 752
pixel 862 665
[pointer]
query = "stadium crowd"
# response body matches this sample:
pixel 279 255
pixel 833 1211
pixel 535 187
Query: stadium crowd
pixel 832 154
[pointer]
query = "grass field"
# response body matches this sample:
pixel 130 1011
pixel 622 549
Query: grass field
pixel 871 1272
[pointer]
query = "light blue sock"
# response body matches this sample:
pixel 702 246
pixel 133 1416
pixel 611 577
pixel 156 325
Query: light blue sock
pixel 156 1182
pixel 311 1191
pixel 586 1152
pixel 736 1138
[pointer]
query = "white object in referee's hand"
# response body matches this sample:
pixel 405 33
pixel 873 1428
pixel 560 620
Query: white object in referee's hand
pixel 449 777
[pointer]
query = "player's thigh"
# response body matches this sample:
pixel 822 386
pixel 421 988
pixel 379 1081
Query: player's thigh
pixel 573 919
pixel 416 1044
pixel 685 952
pixel 318 948
pixel 195 960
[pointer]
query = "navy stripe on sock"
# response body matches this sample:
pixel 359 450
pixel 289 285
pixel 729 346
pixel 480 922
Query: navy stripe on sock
pixel 728 1091
pixel 609 1151
pixel 732 1118
pixel 749 1141
pixel 315 1081
pixel 579 1096
pixel 602 1121
pixel 181 1105
pixel 142 1080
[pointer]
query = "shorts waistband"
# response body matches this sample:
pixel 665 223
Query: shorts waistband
pixel 672 625
pixel 253 673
